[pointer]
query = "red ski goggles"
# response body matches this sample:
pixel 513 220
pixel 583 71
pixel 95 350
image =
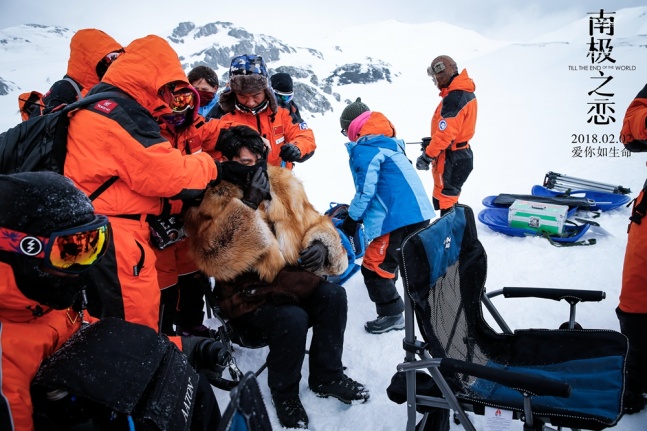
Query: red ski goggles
pixel 71 251
pixel 178 100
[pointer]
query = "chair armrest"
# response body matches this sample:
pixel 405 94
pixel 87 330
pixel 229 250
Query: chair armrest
pixel 522 382
pixel 569 295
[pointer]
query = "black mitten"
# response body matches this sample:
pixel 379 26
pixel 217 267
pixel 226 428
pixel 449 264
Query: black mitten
pixel 290 153
pixel 349 226
pixel 258 189
pixel 313 257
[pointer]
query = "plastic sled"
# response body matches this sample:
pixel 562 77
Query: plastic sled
pixel 497 220
pixel 504 201
pixel 602 201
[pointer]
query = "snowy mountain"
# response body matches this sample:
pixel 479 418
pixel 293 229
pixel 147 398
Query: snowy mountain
pixel 534 117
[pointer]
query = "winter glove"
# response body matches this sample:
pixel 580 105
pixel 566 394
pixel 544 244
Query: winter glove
pixel 314 257
pixel 425 143
pixel 349 226
pixel 290 153
pixel 257 190
pixel 423 162
pixel 205 354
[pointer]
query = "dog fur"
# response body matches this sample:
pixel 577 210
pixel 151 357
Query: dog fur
pixel 227 238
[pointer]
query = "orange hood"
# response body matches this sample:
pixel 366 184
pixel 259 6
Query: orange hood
pixel 87 48
pixel 377 124
pixel 148 64
pixel 461 82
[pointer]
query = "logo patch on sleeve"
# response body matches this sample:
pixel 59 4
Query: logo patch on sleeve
pixel 303 126
pixel 278 130
pixel 442 125
pixel 106 106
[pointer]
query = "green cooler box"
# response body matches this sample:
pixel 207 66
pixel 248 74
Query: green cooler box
pixel 537 216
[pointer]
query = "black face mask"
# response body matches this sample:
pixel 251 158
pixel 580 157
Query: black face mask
pixel 47 289
pixel 239 174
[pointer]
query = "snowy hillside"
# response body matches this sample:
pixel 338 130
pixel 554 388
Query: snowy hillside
pixel 533 109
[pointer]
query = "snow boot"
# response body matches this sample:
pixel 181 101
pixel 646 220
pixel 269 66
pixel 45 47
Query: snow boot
pixel 345 390
pixel 385 324
pixel 290 411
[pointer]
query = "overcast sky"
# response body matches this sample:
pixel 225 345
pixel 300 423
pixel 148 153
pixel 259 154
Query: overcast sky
pixel 305 19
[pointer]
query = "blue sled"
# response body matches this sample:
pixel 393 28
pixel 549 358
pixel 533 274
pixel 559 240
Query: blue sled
pixel 497 220
pixel 601 201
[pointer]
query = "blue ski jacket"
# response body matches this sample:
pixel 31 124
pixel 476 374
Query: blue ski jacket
pixel 388 192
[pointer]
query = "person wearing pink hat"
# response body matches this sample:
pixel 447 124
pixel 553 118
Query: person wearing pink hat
pixel 389 199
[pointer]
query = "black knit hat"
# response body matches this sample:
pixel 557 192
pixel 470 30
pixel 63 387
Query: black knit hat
pixel 351 112
pixel 40 203
pixel 282 82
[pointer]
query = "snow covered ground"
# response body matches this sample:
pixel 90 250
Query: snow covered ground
pixel 533 112
pixel 530 106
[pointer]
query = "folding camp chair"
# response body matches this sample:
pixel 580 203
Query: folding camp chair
pixel 563 377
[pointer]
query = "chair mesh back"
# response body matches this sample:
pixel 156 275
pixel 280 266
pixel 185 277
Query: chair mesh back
pixel 450 320
pixel 444 269
pixel 449 313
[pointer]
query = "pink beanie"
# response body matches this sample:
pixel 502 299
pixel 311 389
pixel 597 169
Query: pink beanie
pixel 357 124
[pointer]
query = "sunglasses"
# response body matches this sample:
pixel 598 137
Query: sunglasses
pixel 285 97
pixel 344 132
pixel 71 251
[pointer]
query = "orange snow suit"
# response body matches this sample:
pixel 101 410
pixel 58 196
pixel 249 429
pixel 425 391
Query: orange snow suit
pixel 121 138
pixel 452 126
pixel 29 333
pixel 633 295
pixel 278 129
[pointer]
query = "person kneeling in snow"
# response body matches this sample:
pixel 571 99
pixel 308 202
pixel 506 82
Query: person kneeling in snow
pixel 267 247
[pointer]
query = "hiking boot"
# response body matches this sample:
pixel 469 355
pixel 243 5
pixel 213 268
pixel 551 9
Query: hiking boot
pixel 345 390
pixel 198 331
pixel 385 324
pixel 290 411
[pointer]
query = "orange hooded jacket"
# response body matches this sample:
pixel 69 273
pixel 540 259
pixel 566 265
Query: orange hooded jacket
pixel 278 129
pixel 120 137
pixel 87 48
pixel 634 124
pixel 454 120
pixel 174 260
pixel 633 295
pixel 26 339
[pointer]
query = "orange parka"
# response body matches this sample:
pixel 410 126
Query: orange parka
pixel 29 333
pixel 120 137
pixel 174 260
pixel 278 129
pixel 454 120
pixel 633 295
pixel 452 126
pixel 87 48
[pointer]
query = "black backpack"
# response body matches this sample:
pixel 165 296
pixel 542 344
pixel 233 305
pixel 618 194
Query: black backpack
pixel 40 143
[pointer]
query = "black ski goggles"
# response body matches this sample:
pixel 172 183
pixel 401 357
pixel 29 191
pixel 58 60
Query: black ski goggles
pixel 71 251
